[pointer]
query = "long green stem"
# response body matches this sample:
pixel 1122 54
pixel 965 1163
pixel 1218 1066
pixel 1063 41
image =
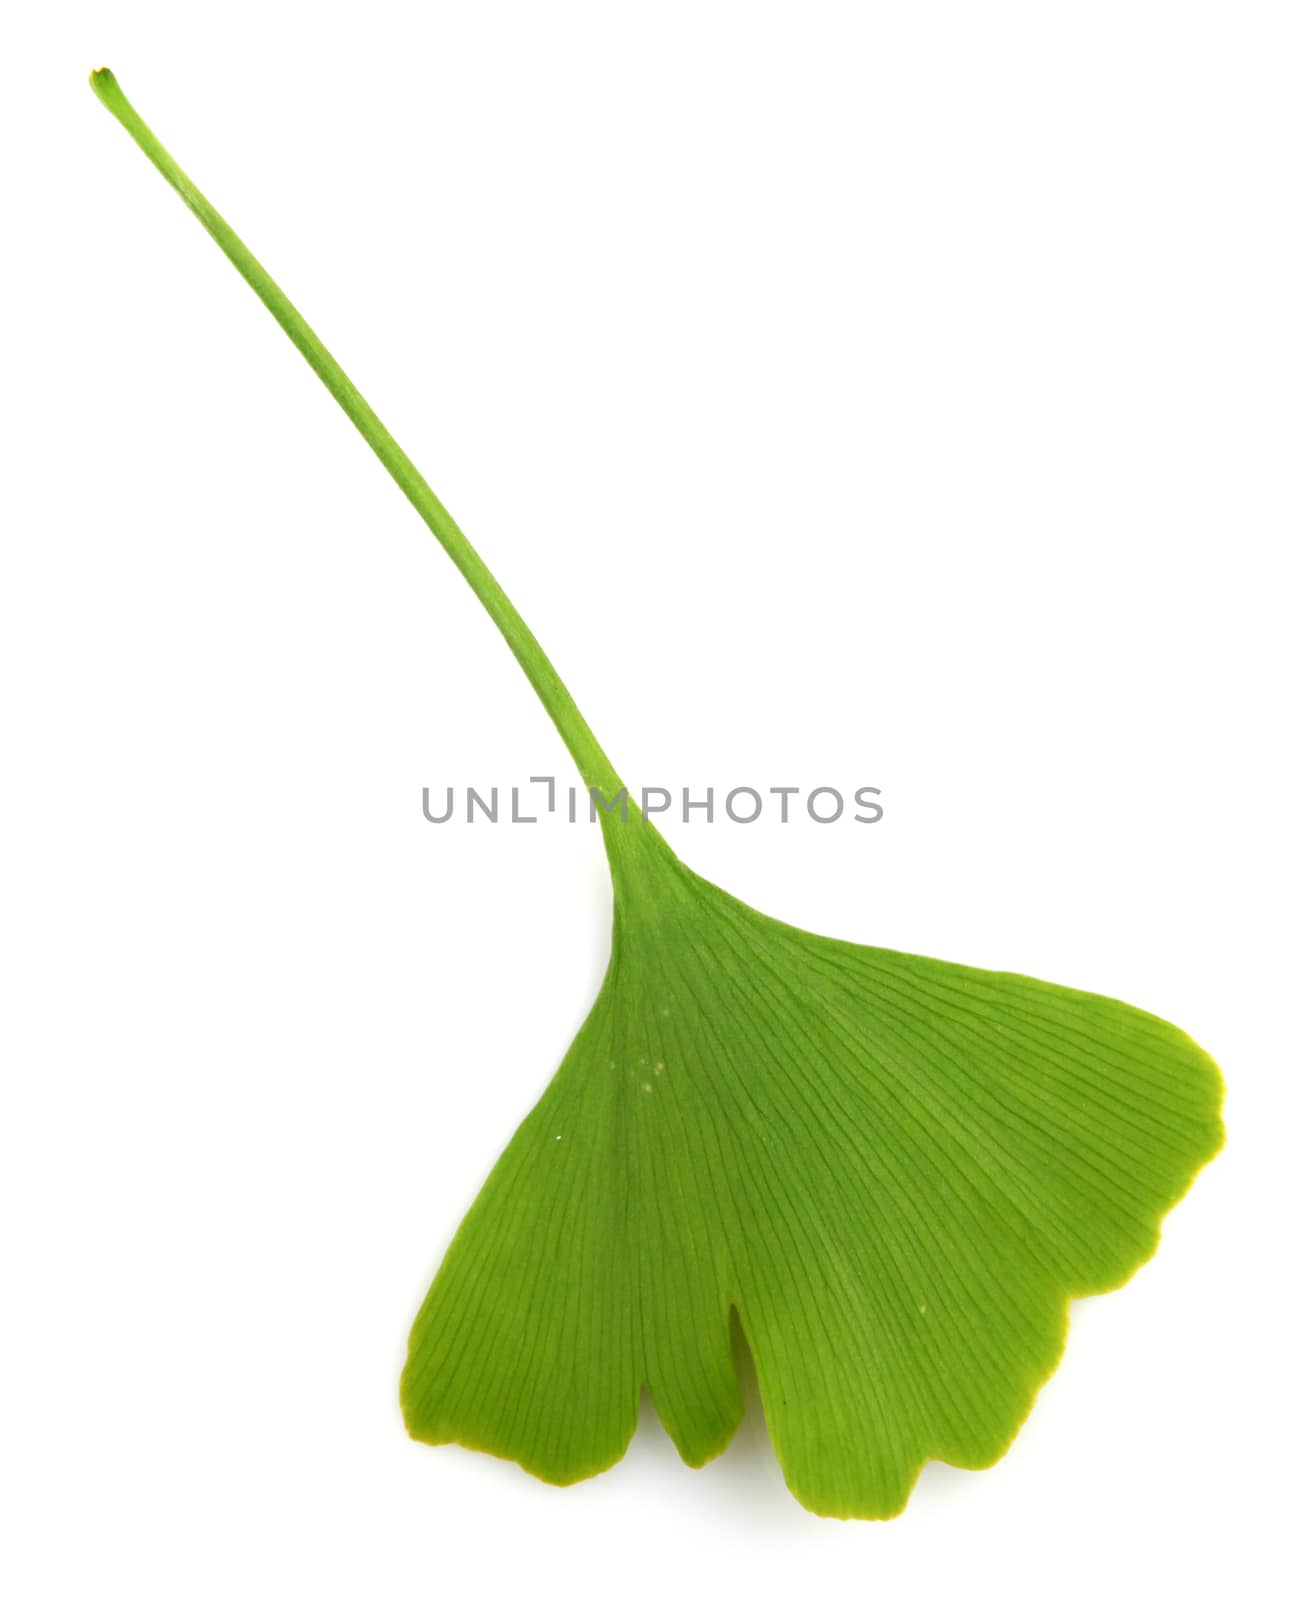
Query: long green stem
pixel 594 766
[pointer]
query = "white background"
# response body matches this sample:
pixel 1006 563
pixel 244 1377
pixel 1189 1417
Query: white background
pixel 893 394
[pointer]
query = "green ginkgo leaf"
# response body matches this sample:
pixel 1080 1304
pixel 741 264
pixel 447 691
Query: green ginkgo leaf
pixel 891 1172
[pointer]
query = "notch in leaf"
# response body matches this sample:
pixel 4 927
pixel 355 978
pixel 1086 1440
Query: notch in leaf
pixel 893 1170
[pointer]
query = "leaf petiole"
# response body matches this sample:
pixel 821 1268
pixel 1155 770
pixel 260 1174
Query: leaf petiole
pixel 594 766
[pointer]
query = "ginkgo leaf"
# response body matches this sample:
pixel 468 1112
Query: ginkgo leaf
pixel 893 1172
pixel 896 1171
